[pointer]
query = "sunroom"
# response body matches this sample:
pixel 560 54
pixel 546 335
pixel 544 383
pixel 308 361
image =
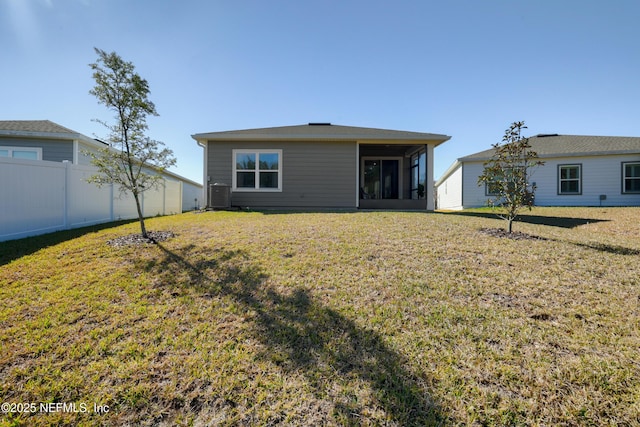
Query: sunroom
pixel 394 176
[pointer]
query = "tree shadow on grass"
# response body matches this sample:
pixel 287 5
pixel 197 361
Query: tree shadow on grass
pixel 563 222
pixel 13 249
pixel 302 335
pixel 611 249
pixel 552 221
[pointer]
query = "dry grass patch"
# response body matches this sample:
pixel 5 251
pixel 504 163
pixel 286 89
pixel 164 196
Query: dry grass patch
pixel 360 318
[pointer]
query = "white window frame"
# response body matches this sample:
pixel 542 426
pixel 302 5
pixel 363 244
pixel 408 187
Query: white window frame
pixel 578 179
pixel 37 150
pixel 257 153
pixel 625 177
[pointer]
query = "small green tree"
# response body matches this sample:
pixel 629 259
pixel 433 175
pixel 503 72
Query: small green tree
pixel 132 160
pixel 507 174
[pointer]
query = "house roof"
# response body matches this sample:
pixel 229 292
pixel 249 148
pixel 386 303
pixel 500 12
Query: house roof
pixel 49 129
pixel 571 146
pixel 39 126
pixel 320 131
pixel 42 129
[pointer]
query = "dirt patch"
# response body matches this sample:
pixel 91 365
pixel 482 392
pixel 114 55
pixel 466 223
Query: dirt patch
pixel 515 235
pixel 542 316
pixel 137 239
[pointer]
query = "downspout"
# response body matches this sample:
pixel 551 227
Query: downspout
pixel 205 191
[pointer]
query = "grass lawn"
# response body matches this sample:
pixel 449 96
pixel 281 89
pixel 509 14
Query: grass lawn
pixel 365 318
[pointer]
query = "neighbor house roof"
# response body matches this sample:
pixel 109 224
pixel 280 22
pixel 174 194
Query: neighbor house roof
pixel 321 131
pixel 39 126
pixel 42 129
pixel 49 129
pixel 571 146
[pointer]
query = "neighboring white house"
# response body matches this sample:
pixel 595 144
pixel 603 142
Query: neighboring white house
pixel 44 175
pixel 578 171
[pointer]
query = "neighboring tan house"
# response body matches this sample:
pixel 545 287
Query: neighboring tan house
pixel 578 171
pixel 46 140
pixel 320 166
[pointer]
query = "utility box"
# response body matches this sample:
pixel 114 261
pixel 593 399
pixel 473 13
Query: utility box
pixel 219 196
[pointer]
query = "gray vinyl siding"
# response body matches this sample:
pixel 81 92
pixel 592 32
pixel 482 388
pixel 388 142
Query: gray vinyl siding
pixel 52 150
pixel 314 174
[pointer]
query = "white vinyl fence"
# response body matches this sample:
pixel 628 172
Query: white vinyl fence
pixel 38 197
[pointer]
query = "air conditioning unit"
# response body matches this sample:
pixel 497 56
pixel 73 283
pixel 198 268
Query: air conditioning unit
pixel 219 196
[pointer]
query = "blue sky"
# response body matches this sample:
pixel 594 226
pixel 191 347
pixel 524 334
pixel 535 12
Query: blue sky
pixel 465 68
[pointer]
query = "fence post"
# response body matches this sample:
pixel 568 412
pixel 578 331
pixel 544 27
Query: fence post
pixel 66 195
pixel 111 203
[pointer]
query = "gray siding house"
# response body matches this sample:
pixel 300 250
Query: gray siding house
pixel 49 141
pixel 578 171
pixel 45 140
pixel 321 166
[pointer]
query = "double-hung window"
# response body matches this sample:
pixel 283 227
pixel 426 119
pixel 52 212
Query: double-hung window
pixel 631 178
pixel 492 188
pixel 257 170
pixel 31 153
pixel 569 179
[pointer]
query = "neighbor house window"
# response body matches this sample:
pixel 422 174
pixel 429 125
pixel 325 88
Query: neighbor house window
pixel 570 179
pixel 32 153
pixel 631 177
pixel 257 170
pixel 492 188
pixel 506 181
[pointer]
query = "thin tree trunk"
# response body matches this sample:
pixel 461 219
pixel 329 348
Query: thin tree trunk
pixel 143 229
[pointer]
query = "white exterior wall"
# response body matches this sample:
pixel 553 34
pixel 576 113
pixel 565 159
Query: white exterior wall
pixel 190 193
pixel 473 195
pixel 450 191
pixel 601 175
pixel 172 197
pixel 82 158
pixel 41 197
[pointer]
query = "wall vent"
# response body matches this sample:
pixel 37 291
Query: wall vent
pixel 319 124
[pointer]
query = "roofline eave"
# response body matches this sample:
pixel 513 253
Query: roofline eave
pixel 433 139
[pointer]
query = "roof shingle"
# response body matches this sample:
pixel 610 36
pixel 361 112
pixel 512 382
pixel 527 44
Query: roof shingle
pixel 42 126
pixel 571 145
pixel 322 131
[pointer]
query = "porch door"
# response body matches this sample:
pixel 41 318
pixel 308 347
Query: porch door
pixel 381 179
